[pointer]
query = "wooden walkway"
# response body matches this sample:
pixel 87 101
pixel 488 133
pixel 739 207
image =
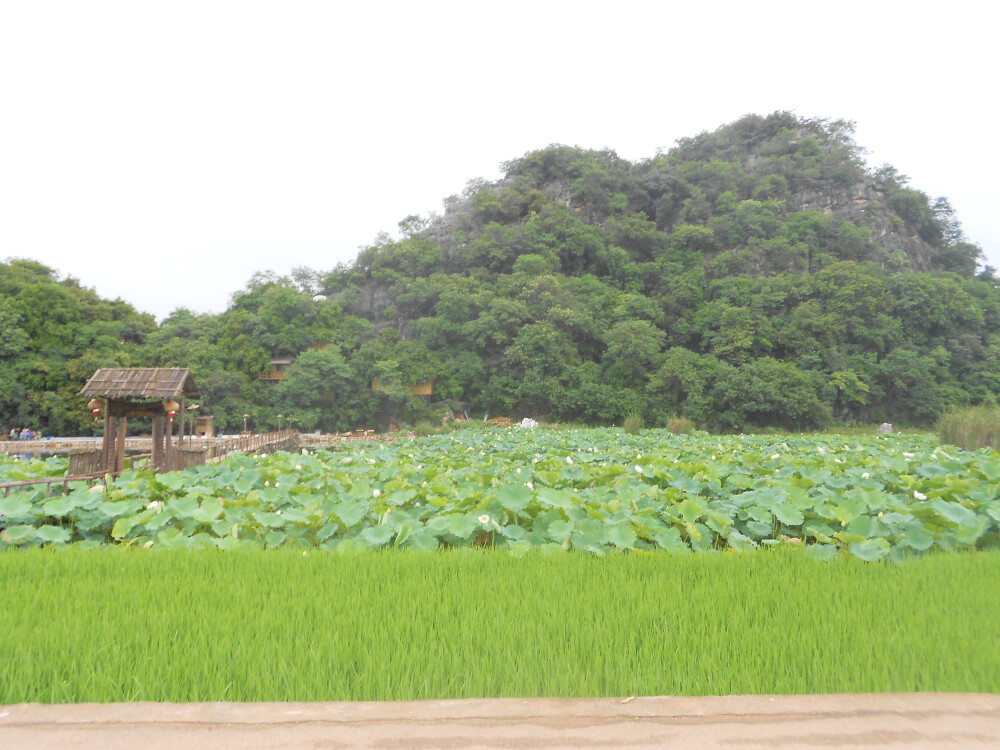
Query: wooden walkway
pixel 144 444
pixel 85 455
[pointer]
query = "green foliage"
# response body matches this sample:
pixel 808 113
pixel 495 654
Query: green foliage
pixel 55 334
pixel 972 427
pixel 633 423
pixel 320 390
pixel 756 275
pixel 769 393
pixel 679 425
pixel 595 491
pixel 424 428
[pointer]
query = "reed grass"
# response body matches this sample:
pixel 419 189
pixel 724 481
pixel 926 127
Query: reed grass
pixel 679 425
pixel 971 428
pixel 633 423
pixel 130 625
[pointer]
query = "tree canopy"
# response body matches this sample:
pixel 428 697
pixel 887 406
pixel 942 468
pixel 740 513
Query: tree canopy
pixel 756 276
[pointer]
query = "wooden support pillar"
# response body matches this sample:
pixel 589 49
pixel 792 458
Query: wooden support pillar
pixel 108 444
pixel 180 432
pixel 169 463
pixel 157 458
pixel 120 452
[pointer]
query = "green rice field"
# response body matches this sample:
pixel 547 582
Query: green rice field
pixel 117 624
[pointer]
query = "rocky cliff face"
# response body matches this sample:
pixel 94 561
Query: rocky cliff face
pixel 864 205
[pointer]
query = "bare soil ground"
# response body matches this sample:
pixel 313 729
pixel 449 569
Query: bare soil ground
pixel 910 720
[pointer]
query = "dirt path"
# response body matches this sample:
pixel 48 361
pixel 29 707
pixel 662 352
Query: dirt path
pixel 914 720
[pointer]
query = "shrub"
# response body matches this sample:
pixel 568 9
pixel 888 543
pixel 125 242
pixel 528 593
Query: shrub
pixel 424 428
pixel 680 425
pixel 633 423
pixel 971 428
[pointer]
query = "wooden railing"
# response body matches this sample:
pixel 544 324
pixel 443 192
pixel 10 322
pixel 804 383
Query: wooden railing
pixel 269 442
pixel 90 479
pixel 198 453
pixel 184 457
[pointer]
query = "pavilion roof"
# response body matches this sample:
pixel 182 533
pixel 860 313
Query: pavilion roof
pixel 140 383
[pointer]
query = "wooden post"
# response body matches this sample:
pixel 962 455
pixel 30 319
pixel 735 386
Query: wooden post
pixel 120 452
pixel 169 448
pixel 156 457
pixel 107 445
pixel 180 440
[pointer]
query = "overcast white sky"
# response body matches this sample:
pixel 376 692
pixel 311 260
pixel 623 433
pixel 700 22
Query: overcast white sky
pixel 164 152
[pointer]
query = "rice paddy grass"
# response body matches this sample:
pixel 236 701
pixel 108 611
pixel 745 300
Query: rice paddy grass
pixel 182 625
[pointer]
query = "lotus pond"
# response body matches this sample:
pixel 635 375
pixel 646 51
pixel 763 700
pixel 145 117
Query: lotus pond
pixel 599 491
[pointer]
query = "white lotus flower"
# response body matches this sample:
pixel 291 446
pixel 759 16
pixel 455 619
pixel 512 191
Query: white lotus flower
pixel 866 475
pixel 518 469
pixel 776 455
pixel 298 467
pixel 529 485
pixel 638 469
pixel 155 505
pixel 484 519
pixel 907 455
pixel 569 460
pixel 376 493
pixel 919 495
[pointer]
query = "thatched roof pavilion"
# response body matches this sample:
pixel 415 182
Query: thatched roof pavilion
pixel 140 392
pixel 122 384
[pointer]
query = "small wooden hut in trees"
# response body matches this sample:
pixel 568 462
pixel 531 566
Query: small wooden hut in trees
pixel 159 393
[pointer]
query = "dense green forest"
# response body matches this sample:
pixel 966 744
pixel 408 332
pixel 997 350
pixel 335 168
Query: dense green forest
pixel 756 276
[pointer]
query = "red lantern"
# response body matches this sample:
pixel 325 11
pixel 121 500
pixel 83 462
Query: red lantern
pixel 171 408
pixel 95 406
